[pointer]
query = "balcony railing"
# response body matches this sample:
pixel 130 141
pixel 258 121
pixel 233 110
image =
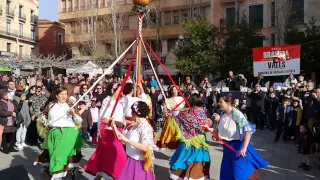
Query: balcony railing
pixel 9 32
pixel 63 10
pixel 75 8
pixel 22 16
pixel 34 19
pixel 1 10
pixel 10 12
pixel 16 33
pixel 102 4
pixel 69 9
pixel 81 7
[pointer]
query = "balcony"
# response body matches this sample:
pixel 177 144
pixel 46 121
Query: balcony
pixel 22 17
pixel 34 19
pixel 69 9
pixel 8 32
pixel 1 10
pixel 10 12
pixel 63 10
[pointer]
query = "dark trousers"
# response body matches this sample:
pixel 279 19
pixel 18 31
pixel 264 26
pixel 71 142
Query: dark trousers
pixel 258 117
pixel 8 138
pixel 32 134
pixel 84 135
pixel 249 114
pixel 282 126
pixel 271 119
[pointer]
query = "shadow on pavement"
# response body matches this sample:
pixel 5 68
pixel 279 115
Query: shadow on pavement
pixel 161 173
pixel 160 155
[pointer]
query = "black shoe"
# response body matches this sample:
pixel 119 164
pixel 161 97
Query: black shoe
pixel 306 168
pixel 5 151
pixel 302 165
pixel 13 150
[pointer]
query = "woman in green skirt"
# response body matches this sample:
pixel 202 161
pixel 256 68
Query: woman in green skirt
pixel 62 145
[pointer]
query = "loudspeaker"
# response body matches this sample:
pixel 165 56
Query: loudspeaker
pixel 14 173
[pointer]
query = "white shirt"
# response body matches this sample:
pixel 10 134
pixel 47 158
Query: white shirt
pixel 128 101
pixel 228 129
pixel 95 113
pixel 143 133
pixel 59 116
pixel 106 110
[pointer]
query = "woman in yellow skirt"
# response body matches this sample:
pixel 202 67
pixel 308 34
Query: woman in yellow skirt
pixel 168 137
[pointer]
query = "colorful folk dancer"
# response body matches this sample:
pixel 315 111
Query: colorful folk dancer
pixel 109 158
pixel 235 130
pixel 128 100
pixel 62 145
pixel 168 136
pixel 191 160
pixel 139 145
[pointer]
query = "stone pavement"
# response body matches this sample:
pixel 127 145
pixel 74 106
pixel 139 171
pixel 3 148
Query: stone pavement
pixel 283 159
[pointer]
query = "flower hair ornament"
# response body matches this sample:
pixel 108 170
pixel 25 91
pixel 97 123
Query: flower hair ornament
pixel 135 108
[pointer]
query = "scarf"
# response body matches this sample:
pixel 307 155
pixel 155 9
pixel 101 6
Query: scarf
pixel 10 108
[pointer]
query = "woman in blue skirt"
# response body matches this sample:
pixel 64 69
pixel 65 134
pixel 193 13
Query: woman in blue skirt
pixel 235 130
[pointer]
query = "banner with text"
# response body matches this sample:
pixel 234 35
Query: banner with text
pixel 276 60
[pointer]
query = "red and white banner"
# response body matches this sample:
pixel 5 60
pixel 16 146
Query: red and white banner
pixel 276 60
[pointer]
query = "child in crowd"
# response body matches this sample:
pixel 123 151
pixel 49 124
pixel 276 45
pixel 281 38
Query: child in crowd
pixel 284 119
pixel 86 123
pixel 305 146
pixel 95 114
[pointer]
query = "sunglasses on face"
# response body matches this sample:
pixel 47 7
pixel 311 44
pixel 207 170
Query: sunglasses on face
pixel 99 88
pixel 38 91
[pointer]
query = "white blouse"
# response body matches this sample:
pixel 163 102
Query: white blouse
pixel 95 113
pixel 128 101
pixel 228 129
pixel 59 116
pixel 106 110
pixel 143 133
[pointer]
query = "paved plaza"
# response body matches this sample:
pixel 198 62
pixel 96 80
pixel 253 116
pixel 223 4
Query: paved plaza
pixel 283 158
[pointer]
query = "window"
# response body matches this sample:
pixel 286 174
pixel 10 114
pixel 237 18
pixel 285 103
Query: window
pixel 272 39
pixel 73 27
pixel 176 17
pixel 88 4
pixel 185 14
pixel 230 15
pixel 8 27
pixel 85 27
pixel 20 11
pixel 82 6
pixel 63 6
pixel 20 50
pixel 32 51
pixel 256 15
pixel 273 14
pixel 94 4
pixel 33 34
pixel 60 38
pixel 69 5
pixel 297 10
pixel 125 23
pixel 21 30
pixel 76 4
pixel 32 15
pixel 171 43
pixel 8 47
pixel 167 18
pixel 101 2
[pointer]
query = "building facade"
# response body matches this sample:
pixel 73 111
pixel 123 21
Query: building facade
pixel 18 27
pixel 269 15
pixel 51 38
pixel 168 31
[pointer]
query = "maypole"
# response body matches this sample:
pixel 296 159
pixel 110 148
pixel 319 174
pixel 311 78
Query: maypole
pixel 141 8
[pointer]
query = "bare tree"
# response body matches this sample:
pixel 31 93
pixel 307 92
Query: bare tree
pixel 283 17
pixel 104 41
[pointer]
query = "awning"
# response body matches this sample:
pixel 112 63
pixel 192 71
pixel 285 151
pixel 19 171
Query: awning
pixel 172 70
pixel 5 69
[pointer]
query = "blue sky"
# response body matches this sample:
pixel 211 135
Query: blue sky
pixel 48 9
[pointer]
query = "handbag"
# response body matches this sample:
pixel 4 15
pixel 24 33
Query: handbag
pixel 18 120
